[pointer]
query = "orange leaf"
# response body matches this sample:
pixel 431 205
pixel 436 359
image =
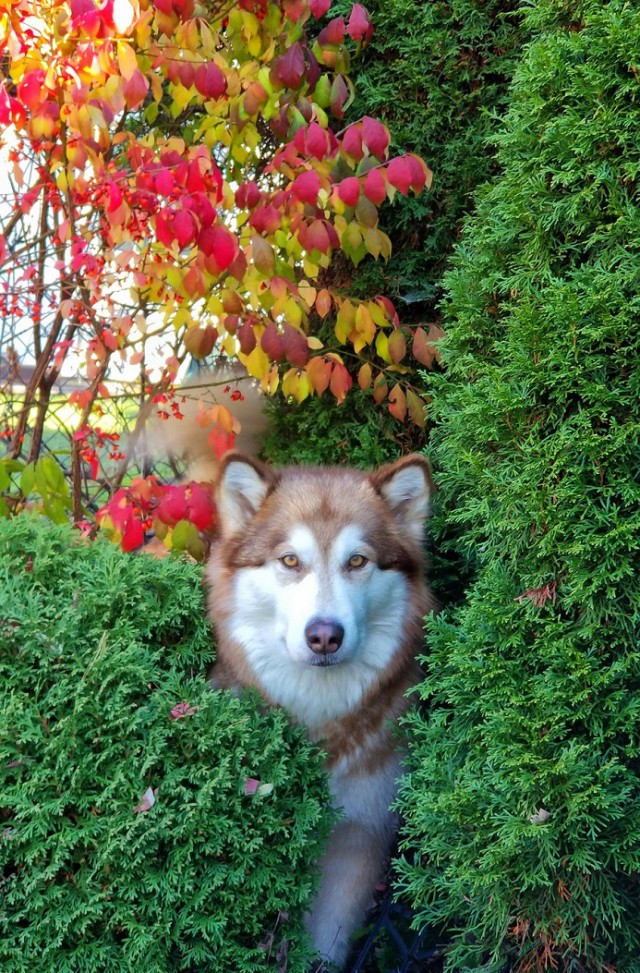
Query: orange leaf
pixel 340 383
pixel 323 302
pixel 398 403
pixel 319 373
pixel 424 344
pixel 380 388
pixel 364 376
pixel 397 346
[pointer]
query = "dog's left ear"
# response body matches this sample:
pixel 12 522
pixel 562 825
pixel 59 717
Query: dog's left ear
pixel 407 488
pixel 242 487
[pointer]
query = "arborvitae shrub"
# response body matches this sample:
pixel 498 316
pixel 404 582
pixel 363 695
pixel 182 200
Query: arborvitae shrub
pixel 319 432
pixel 96 650
pixel 524 796
pixel 437 74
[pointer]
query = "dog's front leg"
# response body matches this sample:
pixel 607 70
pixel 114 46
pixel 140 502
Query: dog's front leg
pixel 351 866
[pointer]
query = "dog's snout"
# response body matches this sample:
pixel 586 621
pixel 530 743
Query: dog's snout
pixel 324 635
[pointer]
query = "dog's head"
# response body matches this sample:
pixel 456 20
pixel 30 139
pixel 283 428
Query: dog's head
pixel 318 569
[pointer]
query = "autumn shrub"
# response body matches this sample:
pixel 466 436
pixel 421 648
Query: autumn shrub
pixel 147 822
pixel 522 800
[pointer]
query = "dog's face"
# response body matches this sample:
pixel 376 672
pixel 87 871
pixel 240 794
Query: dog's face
pixel 315 568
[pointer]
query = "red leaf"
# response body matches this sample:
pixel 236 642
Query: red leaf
pixel 306 186
pixel 132 536
pixel 173 506
pixel 399 174
pixel 164 183
pixel 314 236
pixel 291 67
pixel 349 190
pixel 420 173
pixel 265 219
pixel 359 26
pixel 272 342
pixel 221 441
pixel 319 8
pixel 210 81
pixel 248 195
pixel 30 91
pixel 316 142
pixel 352 142
pixel 224 247
pixel 135 89
pixel 333 33
pixel 375 136
pixel 247 337
pixel 184 228
pixel 295 346
pixel 339 95
pixel 200 505
pixel 398 403
pixel 374 186
pixel 425 347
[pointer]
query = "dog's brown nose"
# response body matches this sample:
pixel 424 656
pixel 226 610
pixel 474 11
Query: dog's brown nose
pixel 324 635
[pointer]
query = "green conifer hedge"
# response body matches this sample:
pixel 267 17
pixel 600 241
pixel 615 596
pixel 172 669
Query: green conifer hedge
pixel 524 796
pixel 437 74
pixel 103 701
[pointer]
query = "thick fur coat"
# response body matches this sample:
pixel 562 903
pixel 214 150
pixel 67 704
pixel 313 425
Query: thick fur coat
pixel 317 595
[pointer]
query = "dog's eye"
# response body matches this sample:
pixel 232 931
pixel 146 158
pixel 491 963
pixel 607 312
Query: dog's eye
pixel 357 561
pixel 290 561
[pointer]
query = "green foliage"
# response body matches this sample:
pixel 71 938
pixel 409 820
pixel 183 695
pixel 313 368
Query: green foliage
pixel 437 74
pixel 523 800
pixel 42 484
pixel 321 433
pixel 96 650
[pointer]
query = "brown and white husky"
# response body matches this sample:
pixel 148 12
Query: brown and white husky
pixel 317 596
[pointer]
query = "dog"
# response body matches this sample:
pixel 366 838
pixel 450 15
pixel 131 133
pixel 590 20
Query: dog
pixel 317 595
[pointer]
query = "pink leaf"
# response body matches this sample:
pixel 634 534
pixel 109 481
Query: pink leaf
pixel 147 802
pixel 359 26
pixel 319 8
pixel 306 186
pixel 181 710
pixel 375 136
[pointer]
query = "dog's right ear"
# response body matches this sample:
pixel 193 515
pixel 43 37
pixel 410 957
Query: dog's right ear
pixel 243 485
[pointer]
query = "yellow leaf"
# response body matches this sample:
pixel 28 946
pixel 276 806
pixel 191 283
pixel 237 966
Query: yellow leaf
pixel 364 324
pixel 382 347
pixel 314 343
pixel 296 384
pixel 269 383
pixel 293 313
pixel 257 363
pixel 417 409
pixel 307 293
pixel 127 60
pixel 345 322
